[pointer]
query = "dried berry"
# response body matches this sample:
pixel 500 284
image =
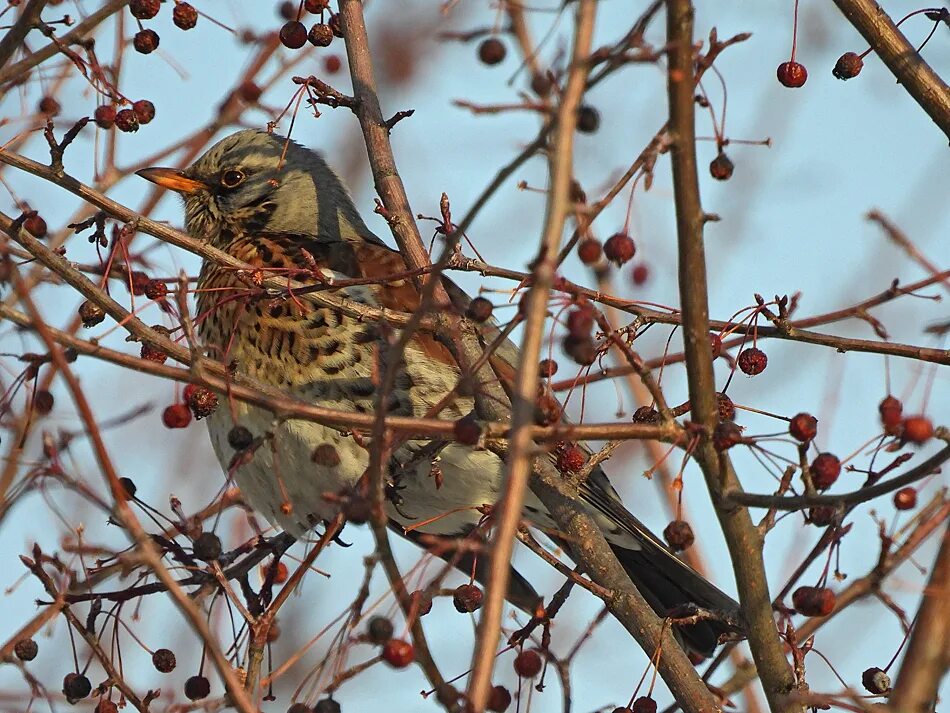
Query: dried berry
pixel 726 435
pixel 891 410
pixel 813 601
pixel 803 427
pixel 239 438
pixel 825 470
pixel 492 51
pixel 327 705
pixel 201 400
pixel 145 41
pixel 106 706
pixel 589 251
pixel 49 106
pixel 398 653
pixel 380 629
pixel 547 368
pixel 421 602
pixel 679 535
pixel 207 547
pixel 479 309
pixel 26 649
pixel 588 119
pixel 315 7
pixel 848 66
pixel 752 361
pixel 76 687
pixel 619 248
pixel 164 660
pixel 336 24
pixel 644 704
pixel 467 431
pixel 905 498
pixel 528 663
pixel 467 598
pixel 822 516
pixel 91 314
pixel 104 116
pixel 184 16
pixel 320 35
pixel 646 414
pixel 326 455
pixel 640 274
pixel 249 92
pixel 138 282
pixel 299 708
pixel 127 121
pixel 197 687
pixel 499 699
pixel 721 167
pixel 580 322
pixel 35 225
pixel 156 290
pixel 153 354
pixel 280 572
pixel 144 9
pixel 293 35
pixel 144 110
pixel 715 345
pixel 571 458
pixel 876 681
pixel 917 430
pixel 128 487
pixel 581 349
pixel 791 74
pixel 727 409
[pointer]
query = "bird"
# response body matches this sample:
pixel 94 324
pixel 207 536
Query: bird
pixel 279 207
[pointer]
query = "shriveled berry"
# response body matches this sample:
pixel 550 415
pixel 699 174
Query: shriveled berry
pixel 184 16
pixel 646 414
pixel 499 699
pixel 679 535
pixel 145 41
pixel 479 309
pixel 49 106
pixel 589 251
pixel 825 470
pixel 876 681
pixel 336 24
pixel 35 225
pixel 528 663
pixel 144 111
pixel 164 660
pixel 721 167
pixel 644 704
pixel 421 602
pixel 106 706
pixel 467 598
pixel 571 458
pixel 813 601
pixel 104 116
pixel 580 322
pixel 905 498
pixel 848 66
pixel 240 438
pixel 315 7
pixel 380 629
pixel 127 121
pixel 791 74
pixel 76 687
pixel 492 51
pixel 917 430
pixel 715 345
pixel 398 653
pixel 26 649
pixel 892 415
pixel 320 35
pixel 803 427
pixel 128 487
pixel 207 547
pixel 640 274
pixel 588 119
pixel 202 401
pixel 152 353
pixel 327 705
pixel 466 430
pixel 91 314
pixel 581 349
pixel 726 407
pixel 726 435
pixel 752 361
pixel 138 282
pixel 293 35
pixel 144 9
pixel 197 687
pixel 547 368
pixel 619 248
pixel 822 516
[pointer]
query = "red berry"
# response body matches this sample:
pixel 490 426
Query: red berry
pixel 156 290
pixel 144 110
pixel 721 167
pixel 581 349
pixel 905 498
pixel 917 430
pixel 492 51
pixel 184 16
pixel 467 598
pixel 813 601
pixel 619 248
pixel 876 681
pixel 891 411
pixel 332 63
pixel 499 698
pixel 197 687
pixel 315 7
pixel 293 35
pixel 104 116
pixel 249 92
pixel 679 535
pixel 528 663
pixel 125 120
pixel 49 106
pixel 644 704
pixel 479 309
pixel 145 41
pixel 398 653
pixel 726 435
pixel 144 9
pixel 580 322
pixel 571 458
pixel 164 660
pixel 848 66
pixel 153 354
pixel 825 470
pixel 752 361
pixel 803 427
pixel 589 251
pixel 320 35
pixel 106 706
pixel 176 416
pixel 281 573
pixel 791 74
pixel 715 345
pixel 35 225
pixel 640 274
pixel 467 431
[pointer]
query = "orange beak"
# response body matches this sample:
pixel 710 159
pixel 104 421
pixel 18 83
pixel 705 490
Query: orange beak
pixel 172 179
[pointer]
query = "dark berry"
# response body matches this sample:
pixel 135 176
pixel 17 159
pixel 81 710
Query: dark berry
pixel 479 309
pixel 825 470
pixel 791 74
pixel 822 516
pixel 320 35
pixel 547 368
pixel 876 681
pixel 571 458
pixel 892 415
pixel 848 66
pixel 106 706
pixel 726 435
pixel 293 35
pixel 249 92
pixel 398 653
pixel 492 51
pixel 145 41
pixel 813 601
pixel 528 663
pixel 715 345
pixel 644 704
pixel 726 407
pixel 197 687
pixel 35 225
pixel 588 119
pixel 184 16
pixel 138 282
pixel 207 547
pixel 49 106
pixel 144 9
pixel 679 535
pixel 467 431
pixel 421 602
pixel 905 498
pixel 156 290
pixel 315 7
pixel 91 314
pixel 128 487
pixel 26 649
pixel 917 430
pixel 104 116
pixel 803 427
pixel 467 598
pixel 580 322
pixel 619 248
pixel 646 414
pixel 640 274
pixel 76 687
pixel 126 120
pixel 332 63
pixel 752 361
pixel 299 708
pixel 581 349
pixel 357 509
pixel 336 24
pixel 589 251
pixel 201 400
pixel 288 10
pixel 499 699
pixel 541 84
pixel 240 438
pixel 326 455
pixel 144 110
pixel 380 630
pixel 721 167
pixel 327 705
pixel 164 660
pixel 42 402
pixel 153 354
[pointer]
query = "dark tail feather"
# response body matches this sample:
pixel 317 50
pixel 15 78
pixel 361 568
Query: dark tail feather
pixel 667 584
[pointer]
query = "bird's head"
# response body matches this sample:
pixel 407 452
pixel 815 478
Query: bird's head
pixel 254 182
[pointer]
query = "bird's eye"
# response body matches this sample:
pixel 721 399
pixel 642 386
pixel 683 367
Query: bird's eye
pixel 232 178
